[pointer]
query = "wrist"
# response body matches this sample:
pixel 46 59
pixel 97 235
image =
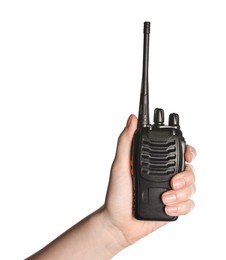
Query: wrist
pixel 112 239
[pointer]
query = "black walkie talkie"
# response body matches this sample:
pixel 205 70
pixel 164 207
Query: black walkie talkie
pixel 157 152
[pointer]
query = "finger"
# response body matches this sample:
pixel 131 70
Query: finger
pixel 179 209
pixel 172 197
pixel 190 153
pixel 123 150
pixel 183 179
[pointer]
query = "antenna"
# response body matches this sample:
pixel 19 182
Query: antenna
pixel 143 117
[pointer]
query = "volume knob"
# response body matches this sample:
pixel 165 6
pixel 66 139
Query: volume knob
pixel 159 116
pixel 173 119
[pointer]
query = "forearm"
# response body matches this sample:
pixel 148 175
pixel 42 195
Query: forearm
pixel 92 238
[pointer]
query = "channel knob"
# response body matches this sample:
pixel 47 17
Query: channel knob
pixel 159 116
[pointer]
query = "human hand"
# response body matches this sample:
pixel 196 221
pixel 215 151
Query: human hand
pixel 114 222
pixel 118 204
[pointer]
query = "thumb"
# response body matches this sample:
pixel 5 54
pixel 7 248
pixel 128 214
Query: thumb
pixel 123 151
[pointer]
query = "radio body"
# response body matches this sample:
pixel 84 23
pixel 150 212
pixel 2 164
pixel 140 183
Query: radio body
pixel 157 152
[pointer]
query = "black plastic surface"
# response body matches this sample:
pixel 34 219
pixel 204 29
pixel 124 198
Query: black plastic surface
pixel 158 154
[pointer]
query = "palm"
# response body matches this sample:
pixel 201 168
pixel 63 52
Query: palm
pixel 119 206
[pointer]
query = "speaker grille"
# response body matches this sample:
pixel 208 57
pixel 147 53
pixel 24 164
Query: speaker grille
pixel 158 157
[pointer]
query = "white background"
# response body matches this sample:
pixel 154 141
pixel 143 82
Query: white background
pixel 70 75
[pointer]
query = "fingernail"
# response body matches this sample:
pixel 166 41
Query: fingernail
pixel 171 210
pixel 178 184
pixel 129 121
pixel 169 198
pixel 193 156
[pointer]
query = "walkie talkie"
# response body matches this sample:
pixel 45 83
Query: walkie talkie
pixel 157 152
